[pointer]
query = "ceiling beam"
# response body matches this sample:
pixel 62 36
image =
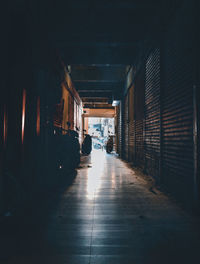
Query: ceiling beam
pixel 101 74
pixel 98 106
pixel 94 90
pixel 98 81
pixel 96 95
pixel 104 86
pixel 95 100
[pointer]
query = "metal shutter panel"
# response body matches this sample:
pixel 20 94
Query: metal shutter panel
pixel 131 125
pixel 126 129
pixel 177 114
pixel 139 118
pixel 152 114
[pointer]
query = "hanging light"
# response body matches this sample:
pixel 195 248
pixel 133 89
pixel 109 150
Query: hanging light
pixel 115 102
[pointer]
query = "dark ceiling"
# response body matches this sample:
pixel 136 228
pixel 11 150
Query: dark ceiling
pixel 99 39
pixel 100 82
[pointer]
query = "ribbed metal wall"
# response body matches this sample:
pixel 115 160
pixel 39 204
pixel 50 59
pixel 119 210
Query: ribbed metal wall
pixel 131 125
pixel 126 128
pixel 119 129
pixel 123 128
pixel 160 113
pixel 177 105
pixel 139 118
pixel 152 114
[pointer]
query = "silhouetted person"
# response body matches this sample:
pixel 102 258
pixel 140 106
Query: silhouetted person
pixel 109 145
pixel 87 145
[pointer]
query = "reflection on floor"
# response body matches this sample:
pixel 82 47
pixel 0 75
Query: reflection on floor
pixel 111 215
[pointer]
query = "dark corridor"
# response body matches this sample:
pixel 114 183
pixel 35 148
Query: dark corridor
pixel 64 62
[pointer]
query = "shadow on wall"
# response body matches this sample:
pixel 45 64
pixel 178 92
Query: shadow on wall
pixel 25 233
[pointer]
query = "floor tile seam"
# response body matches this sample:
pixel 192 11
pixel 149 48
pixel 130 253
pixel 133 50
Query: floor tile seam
pixel 90 252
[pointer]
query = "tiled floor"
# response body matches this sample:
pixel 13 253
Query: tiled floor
pixel 111 215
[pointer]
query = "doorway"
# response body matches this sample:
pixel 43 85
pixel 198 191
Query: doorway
pixel 101 129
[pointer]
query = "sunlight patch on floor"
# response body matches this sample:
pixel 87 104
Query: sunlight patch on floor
pixel 95 173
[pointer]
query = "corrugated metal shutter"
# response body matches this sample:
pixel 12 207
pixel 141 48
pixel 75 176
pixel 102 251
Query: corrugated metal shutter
pixel 152 114
pixel 123 128
pixel 131 125
pixel 139 157
pixel 119 130
pixel 126 128
pixel 139 118
pixel 177 117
